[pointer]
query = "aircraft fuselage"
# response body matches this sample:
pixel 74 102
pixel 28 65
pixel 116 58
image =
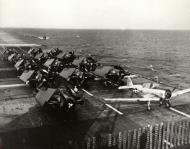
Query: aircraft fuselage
pixel 157 92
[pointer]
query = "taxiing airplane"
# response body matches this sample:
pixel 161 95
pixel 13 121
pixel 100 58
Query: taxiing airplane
pixel 149 93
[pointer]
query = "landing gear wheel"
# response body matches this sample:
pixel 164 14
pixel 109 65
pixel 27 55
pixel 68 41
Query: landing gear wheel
pixel 168 104
pixel 148 106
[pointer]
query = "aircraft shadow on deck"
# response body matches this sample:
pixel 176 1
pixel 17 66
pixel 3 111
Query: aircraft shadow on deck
pixel 38 129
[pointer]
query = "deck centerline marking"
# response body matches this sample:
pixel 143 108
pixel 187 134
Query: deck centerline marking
pixel 88 92
pixel 12 85
pixel 108 105
pixel 179 112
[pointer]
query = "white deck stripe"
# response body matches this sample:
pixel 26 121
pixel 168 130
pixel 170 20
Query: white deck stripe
pixel 179 112
pixel 7 69
pixel 12 85
pixel 87 92
pixel 114 109
pixel 109 106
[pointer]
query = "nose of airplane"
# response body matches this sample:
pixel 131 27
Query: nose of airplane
pixel 168 94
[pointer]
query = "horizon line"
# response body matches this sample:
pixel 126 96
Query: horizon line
pixel 54 28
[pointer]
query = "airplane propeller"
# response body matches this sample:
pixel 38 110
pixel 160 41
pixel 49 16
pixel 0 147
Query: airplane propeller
pixel 168 96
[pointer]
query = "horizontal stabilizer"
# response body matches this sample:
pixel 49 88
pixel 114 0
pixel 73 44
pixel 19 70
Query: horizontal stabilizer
pixel 124 87
pixel 130 76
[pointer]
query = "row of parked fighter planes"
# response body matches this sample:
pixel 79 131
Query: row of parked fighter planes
pixel 50 69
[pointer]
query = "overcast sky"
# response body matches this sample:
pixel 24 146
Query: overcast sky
pixel 107 14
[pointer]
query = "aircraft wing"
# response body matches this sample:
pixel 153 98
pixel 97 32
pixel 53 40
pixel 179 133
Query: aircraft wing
pixel 132 99
pixel 138 87
pixel 125 87
pixel 177 93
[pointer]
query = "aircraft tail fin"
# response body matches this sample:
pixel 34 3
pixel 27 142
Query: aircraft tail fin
pixel 129 84
pixel 150 85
